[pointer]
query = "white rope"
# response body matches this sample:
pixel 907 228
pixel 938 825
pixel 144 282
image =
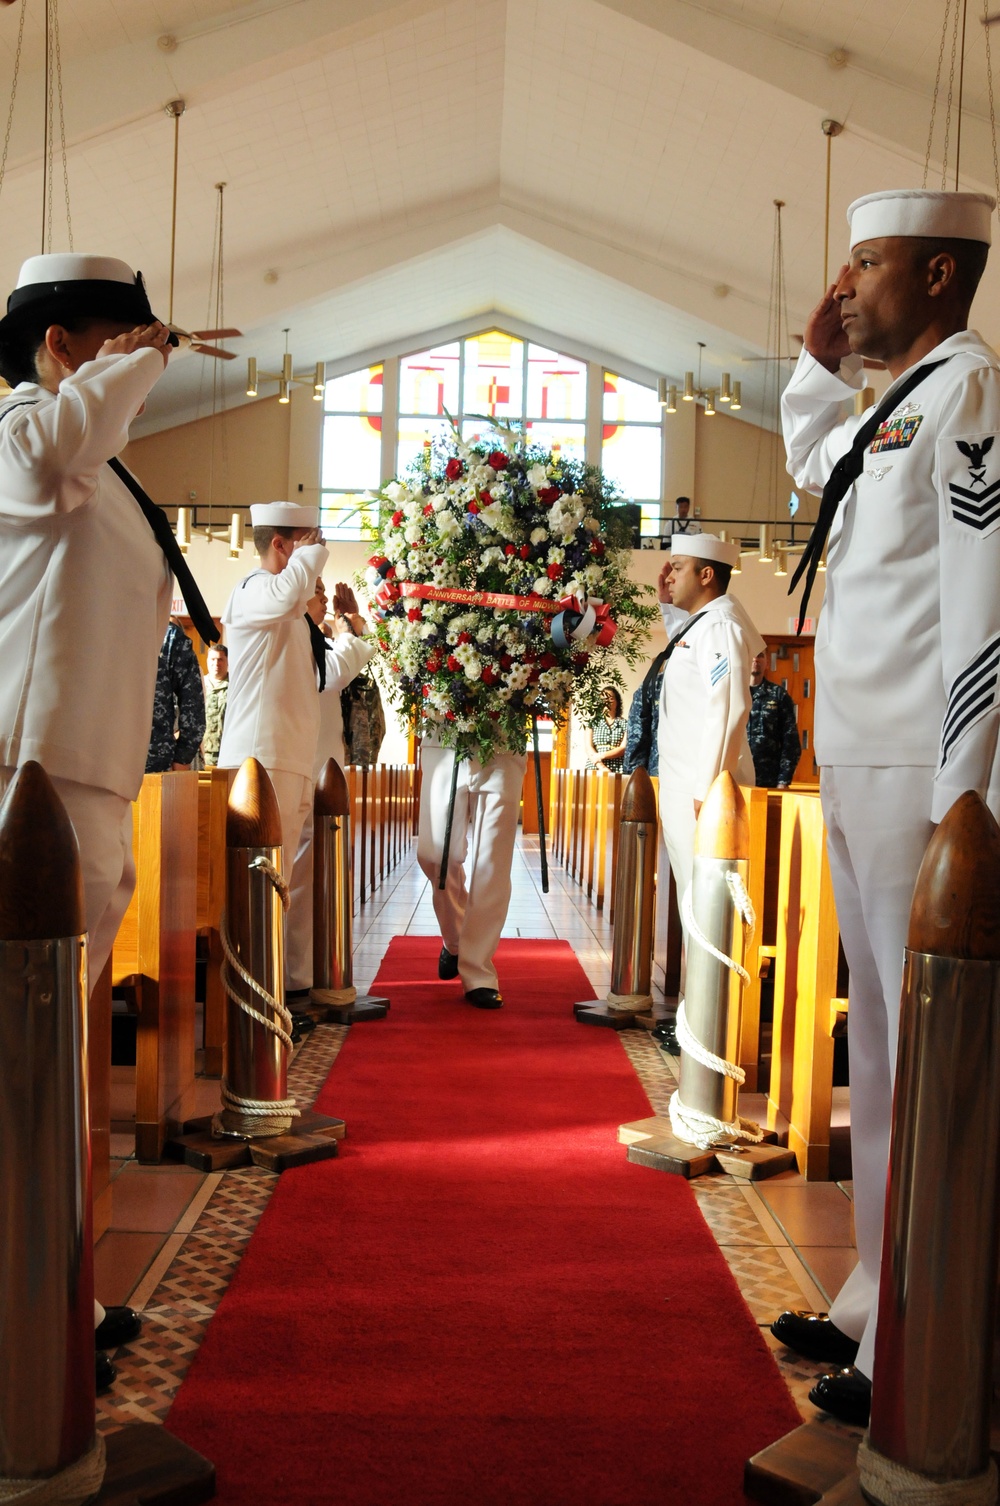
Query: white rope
pixel 629 1003
pixel 691 1125
pixel 255 1117
pixel 892 1484
pixel 334 997
pixel 72 1486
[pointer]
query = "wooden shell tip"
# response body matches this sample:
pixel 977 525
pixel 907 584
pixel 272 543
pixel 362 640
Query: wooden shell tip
pixel 639 798
pixel 332 796
pixel 41 891
pixel 253 818
pixel 723 829
pixel 956 901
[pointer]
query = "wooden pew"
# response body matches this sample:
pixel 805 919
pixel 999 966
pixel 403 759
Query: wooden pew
pixel 806 1007
pixel 154 955
pixel 213 797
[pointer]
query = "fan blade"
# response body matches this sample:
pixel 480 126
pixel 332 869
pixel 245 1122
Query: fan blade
pixel 217 334
pixel 210 350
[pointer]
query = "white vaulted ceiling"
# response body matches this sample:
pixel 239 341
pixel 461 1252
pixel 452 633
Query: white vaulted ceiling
pixel 605 171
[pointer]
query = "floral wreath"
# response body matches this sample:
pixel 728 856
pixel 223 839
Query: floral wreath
pixel 502 591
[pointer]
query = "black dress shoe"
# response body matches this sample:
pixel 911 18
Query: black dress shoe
pixel 106 1373
pixel 845 1394
pixel 816 1337
pixel 447 964
pixel 665 1036
pixel 484 998
pixel 120 1326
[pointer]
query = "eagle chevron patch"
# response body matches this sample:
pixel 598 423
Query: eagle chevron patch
pixel 974 501
pixel 719 671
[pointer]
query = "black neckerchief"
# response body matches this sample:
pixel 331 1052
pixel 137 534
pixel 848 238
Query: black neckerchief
pixel 317 640
pixel 164 535
pixel 842 478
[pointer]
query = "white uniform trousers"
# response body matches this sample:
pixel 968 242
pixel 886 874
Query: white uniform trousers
pixel 878 826
pixel 294 793
pixel 102 821
pixel 677 823
pixel 487 800
pixel 299 924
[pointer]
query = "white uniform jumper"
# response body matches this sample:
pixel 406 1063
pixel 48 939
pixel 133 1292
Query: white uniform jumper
pixel 704 707
pixel 346 656
pixel 84 601
pixel 272 712
pixel 907 665
pixel 487 801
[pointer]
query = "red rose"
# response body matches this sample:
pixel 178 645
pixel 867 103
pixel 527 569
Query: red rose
pixel 597 547
pixel 498 460
pixel 530 656
pixel 486 498
pixel 534 676
pixel 549 494
pixel 395 667
pixel 397 518
pixel 454 468
pixel 414 614
pixel 450 715
pixel 580 661
pixel 524 551
pixel 428 509
pixel 509 549
pixel 465 638
pixel 554 572
pixel 489 675
pixel 453 664
pixel 505 661
pixel 427 690
pixel 473 507
pixel 548 661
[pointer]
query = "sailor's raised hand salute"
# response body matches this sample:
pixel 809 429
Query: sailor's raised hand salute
pixel 825 337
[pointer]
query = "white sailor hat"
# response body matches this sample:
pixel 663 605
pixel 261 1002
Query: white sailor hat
pixel 64 284
pixel 934 213
pixel 705 546
pixel 283 515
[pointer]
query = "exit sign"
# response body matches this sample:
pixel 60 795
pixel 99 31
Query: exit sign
pixel 808 626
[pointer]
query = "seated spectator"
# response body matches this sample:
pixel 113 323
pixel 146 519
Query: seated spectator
pixel 607 735
pixel 772 731
pixel 178 705
pixel 216 691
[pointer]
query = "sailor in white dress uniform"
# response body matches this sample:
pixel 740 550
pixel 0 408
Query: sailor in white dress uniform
pixel 705 694
pixel 272 712
pixel 908 642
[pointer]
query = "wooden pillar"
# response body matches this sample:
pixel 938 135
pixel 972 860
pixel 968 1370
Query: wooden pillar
pixel 99 1087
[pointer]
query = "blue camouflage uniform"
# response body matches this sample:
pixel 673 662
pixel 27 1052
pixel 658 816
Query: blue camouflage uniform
pixel 773 734
pixel 178 705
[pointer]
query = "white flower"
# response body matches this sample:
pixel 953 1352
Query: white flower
pixel 538 476
pixel 539 535
pixel 401 572
pixel 518 676
pixel 592 525
pixel 556 556
pixel 542 586
pixel 394 491
pixel 412 533
pixel 448 527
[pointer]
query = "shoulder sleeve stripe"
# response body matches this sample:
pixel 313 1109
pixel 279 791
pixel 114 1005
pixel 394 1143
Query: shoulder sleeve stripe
pixel 972 694
pixel 26 402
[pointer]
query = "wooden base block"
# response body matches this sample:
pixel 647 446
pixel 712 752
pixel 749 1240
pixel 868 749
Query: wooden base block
pixel 147 1466
pixel 313 1137
pixel 754 1163
pixel 651 1143
pixel 599 1012
pixel 814 1463
pixel 365 1007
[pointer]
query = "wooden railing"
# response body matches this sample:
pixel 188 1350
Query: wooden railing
pixel 384 801
pixel 796 941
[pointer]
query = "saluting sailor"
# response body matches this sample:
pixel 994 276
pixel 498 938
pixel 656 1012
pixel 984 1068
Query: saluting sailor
pixel 907 646
pixel 705 694
pixel 86 567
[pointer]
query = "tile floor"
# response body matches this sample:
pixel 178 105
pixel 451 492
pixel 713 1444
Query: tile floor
pixel 177 1234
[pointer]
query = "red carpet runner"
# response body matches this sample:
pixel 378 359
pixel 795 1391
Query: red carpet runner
pixel 481 1302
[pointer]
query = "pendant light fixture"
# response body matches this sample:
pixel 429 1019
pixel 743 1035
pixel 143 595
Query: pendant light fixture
pixel 286 378
pixel 726 392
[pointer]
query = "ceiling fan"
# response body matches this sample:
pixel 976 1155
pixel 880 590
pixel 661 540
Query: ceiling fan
pixel 194 339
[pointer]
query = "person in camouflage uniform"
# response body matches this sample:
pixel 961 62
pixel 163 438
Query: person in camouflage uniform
pixel 772 731
pixel 216 691
pixel 178 706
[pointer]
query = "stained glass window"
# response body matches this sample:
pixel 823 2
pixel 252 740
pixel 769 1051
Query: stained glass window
pixel 497 376
pixel 351 462
pixel 632 447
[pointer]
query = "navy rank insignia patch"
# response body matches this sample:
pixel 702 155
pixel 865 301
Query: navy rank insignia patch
pixel 975 501
pixel 897 432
